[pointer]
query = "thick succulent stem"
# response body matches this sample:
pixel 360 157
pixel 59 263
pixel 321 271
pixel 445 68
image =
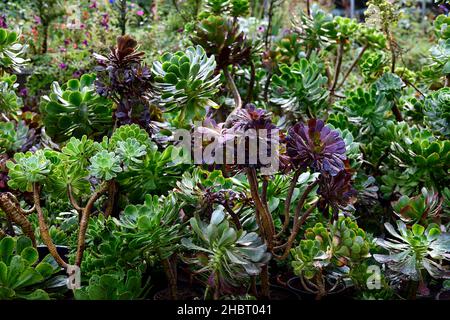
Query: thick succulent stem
pixel 265 217
pixel 85 214
pixel 265 283
pixel 72 199
pixel 14 213
pixel 171 278
pixel 216 295
pixel 113 189
pixel 44 228
pixel 392 49
pixel 44 38
pixel 396 111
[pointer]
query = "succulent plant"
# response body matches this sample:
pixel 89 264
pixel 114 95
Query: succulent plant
pixel 217 7
pixel 28 168
pixel 119 285
pixel 153 228
pixel 125 132
pixel 418 209
pixel 20 272
pixel 105 165
pixel 200 189
pixel 317 30
pixel 309 258
pixel 316 146
pixel 440 55
pixel 130 151
pixel 220 37
pixel 288 49
pixel 15 137
pixel 336 193
pixel 437 111
pixel 124 78
pixel 347 243
pixel 239 8
pixel 372 65
pixel 11 51
pixel 324 250
pixel 368 111
pixel 106 250
pixel 390 85
pixel 411 251
pixel 422 155
pixel 345 27
pixel 76 110
pixel 442 26
pixel 370 37
pixel 224 254
pixel 300 88
pixel 9 101
pixel 186 82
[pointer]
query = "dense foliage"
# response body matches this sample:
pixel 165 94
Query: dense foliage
pixel 215 149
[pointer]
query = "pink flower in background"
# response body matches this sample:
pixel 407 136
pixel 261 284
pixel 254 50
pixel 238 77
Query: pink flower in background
pixel 105 21
pixel 85 42
pixel 37 20
pixel 3 24
pixel 62 49
pixel 62 65
pixel 140 12
pixel 93 5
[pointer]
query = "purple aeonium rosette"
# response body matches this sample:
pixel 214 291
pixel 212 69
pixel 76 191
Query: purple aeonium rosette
pixel 316 146
pixel 336 192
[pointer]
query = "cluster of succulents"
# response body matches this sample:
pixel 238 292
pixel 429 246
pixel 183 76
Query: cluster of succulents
pixel 186 82
pixel 300 88
pixel 346 242
pixel 76 110
pixel 223 142
pixel 222 38
pixel 11 51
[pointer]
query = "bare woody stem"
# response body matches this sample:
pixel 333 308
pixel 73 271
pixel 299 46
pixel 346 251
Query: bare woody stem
pixel 447 80
pixel 301 203
pixel 171 278
pixel 358 57
pixel 233 88
pixel 72 199
pixel 264 216
pixel 337 68
pixel 287 202
pixel 297 225
pixel 14 213
pixel 85 220
pixel 269 25
pixel 43 228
